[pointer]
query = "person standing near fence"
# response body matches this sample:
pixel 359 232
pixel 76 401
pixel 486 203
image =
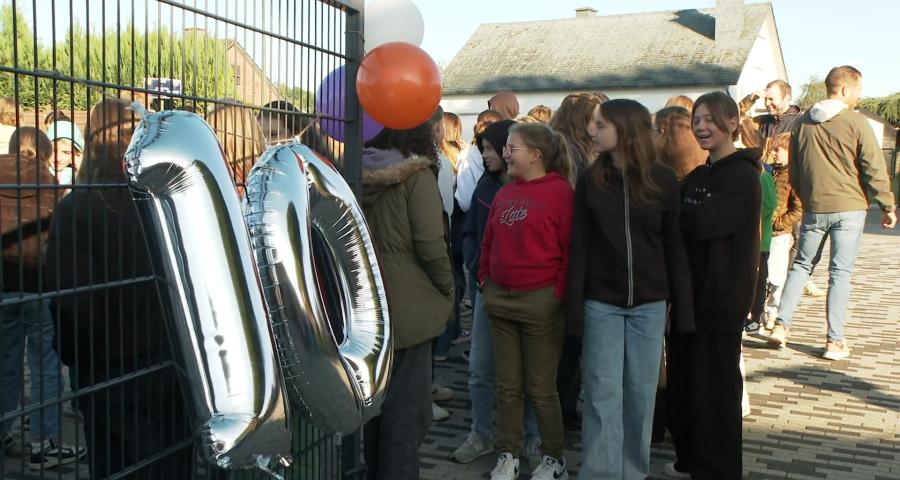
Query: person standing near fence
pixel 836 162
pixel 25 221
pixel 112 332
pixel 626 259
pixel 402 205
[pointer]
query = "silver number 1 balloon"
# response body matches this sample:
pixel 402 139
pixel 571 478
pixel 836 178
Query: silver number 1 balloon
pixel 192 214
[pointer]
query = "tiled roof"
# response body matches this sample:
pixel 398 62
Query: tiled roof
pixel 657 49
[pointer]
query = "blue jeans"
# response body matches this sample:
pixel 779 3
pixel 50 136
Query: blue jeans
pixel 621 352
pixel 845 230
pixel 31 322
pixel 482 382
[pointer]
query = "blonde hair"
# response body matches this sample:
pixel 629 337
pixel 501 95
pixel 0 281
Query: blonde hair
pixel 241 138
pixel 453 143
pixel 680 101
pixel 541 113
pixel 8 111
pixel 552 145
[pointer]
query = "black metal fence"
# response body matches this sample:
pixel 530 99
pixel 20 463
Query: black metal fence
pixel 88 387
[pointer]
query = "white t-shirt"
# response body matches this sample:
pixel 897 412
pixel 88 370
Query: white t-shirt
pixel 446 182
pixel 468 172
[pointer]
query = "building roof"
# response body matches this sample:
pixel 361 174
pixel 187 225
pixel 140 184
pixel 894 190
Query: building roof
pixel 656 49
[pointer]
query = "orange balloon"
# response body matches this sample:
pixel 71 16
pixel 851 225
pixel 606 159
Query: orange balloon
pixel 399 85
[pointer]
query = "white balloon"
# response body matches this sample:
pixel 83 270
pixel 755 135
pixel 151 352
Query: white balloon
pixel 393 21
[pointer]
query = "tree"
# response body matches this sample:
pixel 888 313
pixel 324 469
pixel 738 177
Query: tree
pixel 123 58
pixel 888 107
pixel 813 91
pixel 304 101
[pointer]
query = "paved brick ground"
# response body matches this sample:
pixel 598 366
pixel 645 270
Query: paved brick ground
pixel 812 418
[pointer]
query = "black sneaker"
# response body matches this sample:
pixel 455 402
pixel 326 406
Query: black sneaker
pixel 47 454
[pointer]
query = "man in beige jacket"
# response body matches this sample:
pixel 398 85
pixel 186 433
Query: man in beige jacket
pixel 836 162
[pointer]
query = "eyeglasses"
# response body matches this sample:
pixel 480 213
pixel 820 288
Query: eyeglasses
pixel 509 150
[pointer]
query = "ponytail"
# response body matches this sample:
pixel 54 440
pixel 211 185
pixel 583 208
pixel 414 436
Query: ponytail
pixel 553 147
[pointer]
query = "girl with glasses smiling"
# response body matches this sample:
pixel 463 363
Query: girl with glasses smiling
pixel 522 273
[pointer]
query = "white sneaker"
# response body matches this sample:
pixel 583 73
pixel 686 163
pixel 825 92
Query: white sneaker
pixel 673 472
pixel 440 393
pixel 507 468
pixel 550 469
pixel 438 414
pixel 836 350
pixel 812 290
pixel 475 446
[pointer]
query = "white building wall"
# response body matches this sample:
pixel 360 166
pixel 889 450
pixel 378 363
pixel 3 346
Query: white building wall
pixel 764 64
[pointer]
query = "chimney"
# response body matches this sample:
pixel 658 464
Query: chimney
pixel 585 12
pixel 729 15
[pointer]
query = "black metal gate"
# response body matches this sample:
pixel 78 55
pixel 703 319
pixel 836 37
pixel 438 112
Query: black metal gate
pixel 83 381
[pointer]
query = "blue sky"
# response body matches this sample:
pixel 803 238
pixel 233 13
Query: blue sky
pixel 815 34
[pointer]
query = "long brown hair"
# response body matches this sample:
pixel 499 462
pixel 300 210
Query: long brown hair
pixel 571 120
pixel 110 124
pixel 676 145
pixel 552 145
pixel 750 134
pixel 453 143
pixel 635 146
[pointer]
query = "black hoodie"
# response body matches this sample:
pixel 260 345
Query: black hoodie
pixel 720 226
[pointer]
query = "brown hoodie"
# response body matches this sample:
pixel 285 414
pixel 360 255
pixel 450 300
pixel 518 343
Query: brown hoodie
pixel 506 104
pixel 836 161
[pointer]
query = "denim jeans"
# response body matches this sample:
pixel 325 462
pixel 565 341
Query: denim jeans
pixel 779 253
pixel 482 381
pixel 29 322
pixel 845 230
pixel 621 352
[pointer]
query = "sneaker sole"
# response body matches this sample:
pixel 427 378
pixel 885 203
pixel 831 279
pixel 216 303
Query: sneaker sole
pixel 55 462
pixel 835 356
pixel 470 460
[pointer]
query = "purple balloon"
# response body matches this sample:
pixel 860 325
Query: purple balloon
pixel 330 102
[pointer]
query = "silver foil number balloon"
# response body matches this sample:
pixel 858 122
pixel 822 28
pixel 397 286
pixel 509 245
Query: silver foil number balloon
pixel 191 211
pixel 323 286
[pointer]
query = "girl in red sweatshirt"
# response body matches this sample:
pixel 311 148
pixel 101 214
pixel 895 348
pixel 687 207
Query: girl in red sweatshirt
pixel 522 273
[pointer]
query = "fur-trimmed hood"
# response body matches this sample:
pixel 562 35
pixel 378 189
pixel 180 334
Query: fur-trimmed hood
pixel 383 169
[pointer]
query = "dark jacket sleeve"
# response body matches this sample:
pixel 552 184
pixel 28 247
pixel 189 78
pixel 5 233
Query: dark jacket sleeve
pixel 427 224
pixel 69 261
pixel 578 260
pixel 736 196
pixel 677 266
pixel 470 245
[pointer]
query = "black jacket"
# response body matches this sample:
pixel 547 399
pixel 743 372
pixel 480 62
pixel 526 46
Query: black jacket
pixel 96 240
pixel 771 125
pixel 720 226
pixel 627 254
pixel 477 217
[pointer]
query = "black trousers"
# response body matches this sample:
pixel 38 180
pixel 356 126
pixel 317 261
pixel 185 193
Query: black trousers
pixel 568 379
pixel 391 440
pixel 131 422
pixel 704 395
pixel 762 288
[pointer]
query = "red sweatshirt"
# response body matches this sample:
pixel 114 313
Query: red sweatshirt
pixel 526 239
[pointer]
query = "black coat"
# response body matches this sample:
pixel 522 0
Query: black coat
pixel 720 226
pixel 627 253
pixel 477 217
pixel 117 325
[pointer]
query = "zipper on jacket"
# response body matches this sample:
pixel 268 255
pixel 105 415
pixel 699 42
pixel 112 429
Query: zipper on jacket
pixel 628 243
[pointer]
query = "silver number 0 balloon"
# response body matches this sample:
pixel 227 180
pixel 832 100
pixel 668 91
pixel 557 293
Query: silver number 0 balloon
pixel 323 287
